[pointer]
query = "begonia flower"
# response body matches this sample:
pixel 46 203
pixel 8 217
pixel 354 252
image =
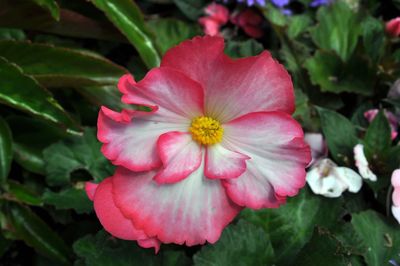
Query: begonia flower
pixel 217 16
pixel 393 27
pixel 396 194
pixel 329 180
pixel 219 137
pixel 392 119
pixel 319 149
pixel 362 163
pixel 250 21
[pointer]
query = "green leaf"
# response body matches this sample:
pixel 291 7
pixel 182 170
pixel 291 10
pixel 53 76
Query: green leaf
pixel 127 17
pixel 340 135
pixel 76 153
pixel 238 49
pixel 325 249
pixel 37 234
pixel 378 136
pixel 104 250
pixel 23 92
pixel 51 6
pixel 70 198
pixel 61 67
pixel 6 154
pixel 12 34
pixel 338 29
pixel 192 9
pixel 28 153
pixel 71 24
pixel 297 25
pixel 240 244
pixel 374 38
pixel 381 239
pixel 291 226
pixel 332 75
pixel 274 15
pixel 24 194
pixel 170 32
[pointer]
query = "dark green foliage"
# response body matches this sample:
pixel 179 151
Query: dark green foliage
pixel 60 60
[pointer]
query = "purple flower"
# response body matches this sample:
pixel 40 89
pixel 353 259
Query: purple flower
pixel 252 2
pixel 280 3
pixel 316 3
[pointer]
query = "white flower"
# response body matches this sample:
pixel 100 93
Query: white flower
pixel 362 163
pixel 396 194
pixel 329 180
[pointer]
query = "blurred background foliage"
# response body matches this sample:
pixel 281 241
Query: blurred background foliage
pixel 60 60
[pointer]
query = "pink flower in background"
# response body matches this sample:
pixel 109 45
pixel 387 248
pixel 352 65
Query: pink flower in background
pixel 393 120
pixel 249 21
pixel 217 16
pixel 319 149
pixel 219 137
pixel 396 194
pixel 393 27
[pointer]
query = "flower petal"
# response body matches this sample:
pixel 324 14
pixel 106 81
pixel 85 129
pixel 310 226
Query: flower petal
pixel 90 189
pixel 224 163
pixel 362 163
pixel 180 156
pixel 257 83
pixel 348 176
pixel 132 144
pixel 174 95
pixel 114 222
pixel 192 211
pixel 279 155
pixel 395 180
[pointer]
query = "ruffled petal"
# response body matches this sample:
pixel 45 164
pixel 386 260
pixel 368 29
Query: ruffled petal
pixel 176 97
pixel 197 58
pixel 114 222
pixel 130 138
pixel 180 156
pixel 192 211
pixel 279 155
pixel 224 163
pixel 257 83
pixel 352 180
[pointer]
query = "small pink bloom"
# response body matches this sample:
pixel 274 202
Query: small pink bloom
pixel 217 16
pixel 393 120
pixel 219 137
pixel 319 149
pixel 396 194
pixel 250 21
pixel 393 27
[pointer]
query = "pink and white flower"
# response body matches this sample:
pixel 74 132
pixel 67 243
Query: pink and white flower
pixel 396 194
pixel 219 137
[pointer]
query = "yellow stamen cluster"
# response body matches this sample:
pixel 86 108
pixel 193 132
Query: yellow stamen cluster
pixel 206 130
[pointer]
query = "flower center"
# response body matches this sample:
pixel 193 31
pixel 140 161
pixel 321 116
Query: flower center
pixel 206 130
